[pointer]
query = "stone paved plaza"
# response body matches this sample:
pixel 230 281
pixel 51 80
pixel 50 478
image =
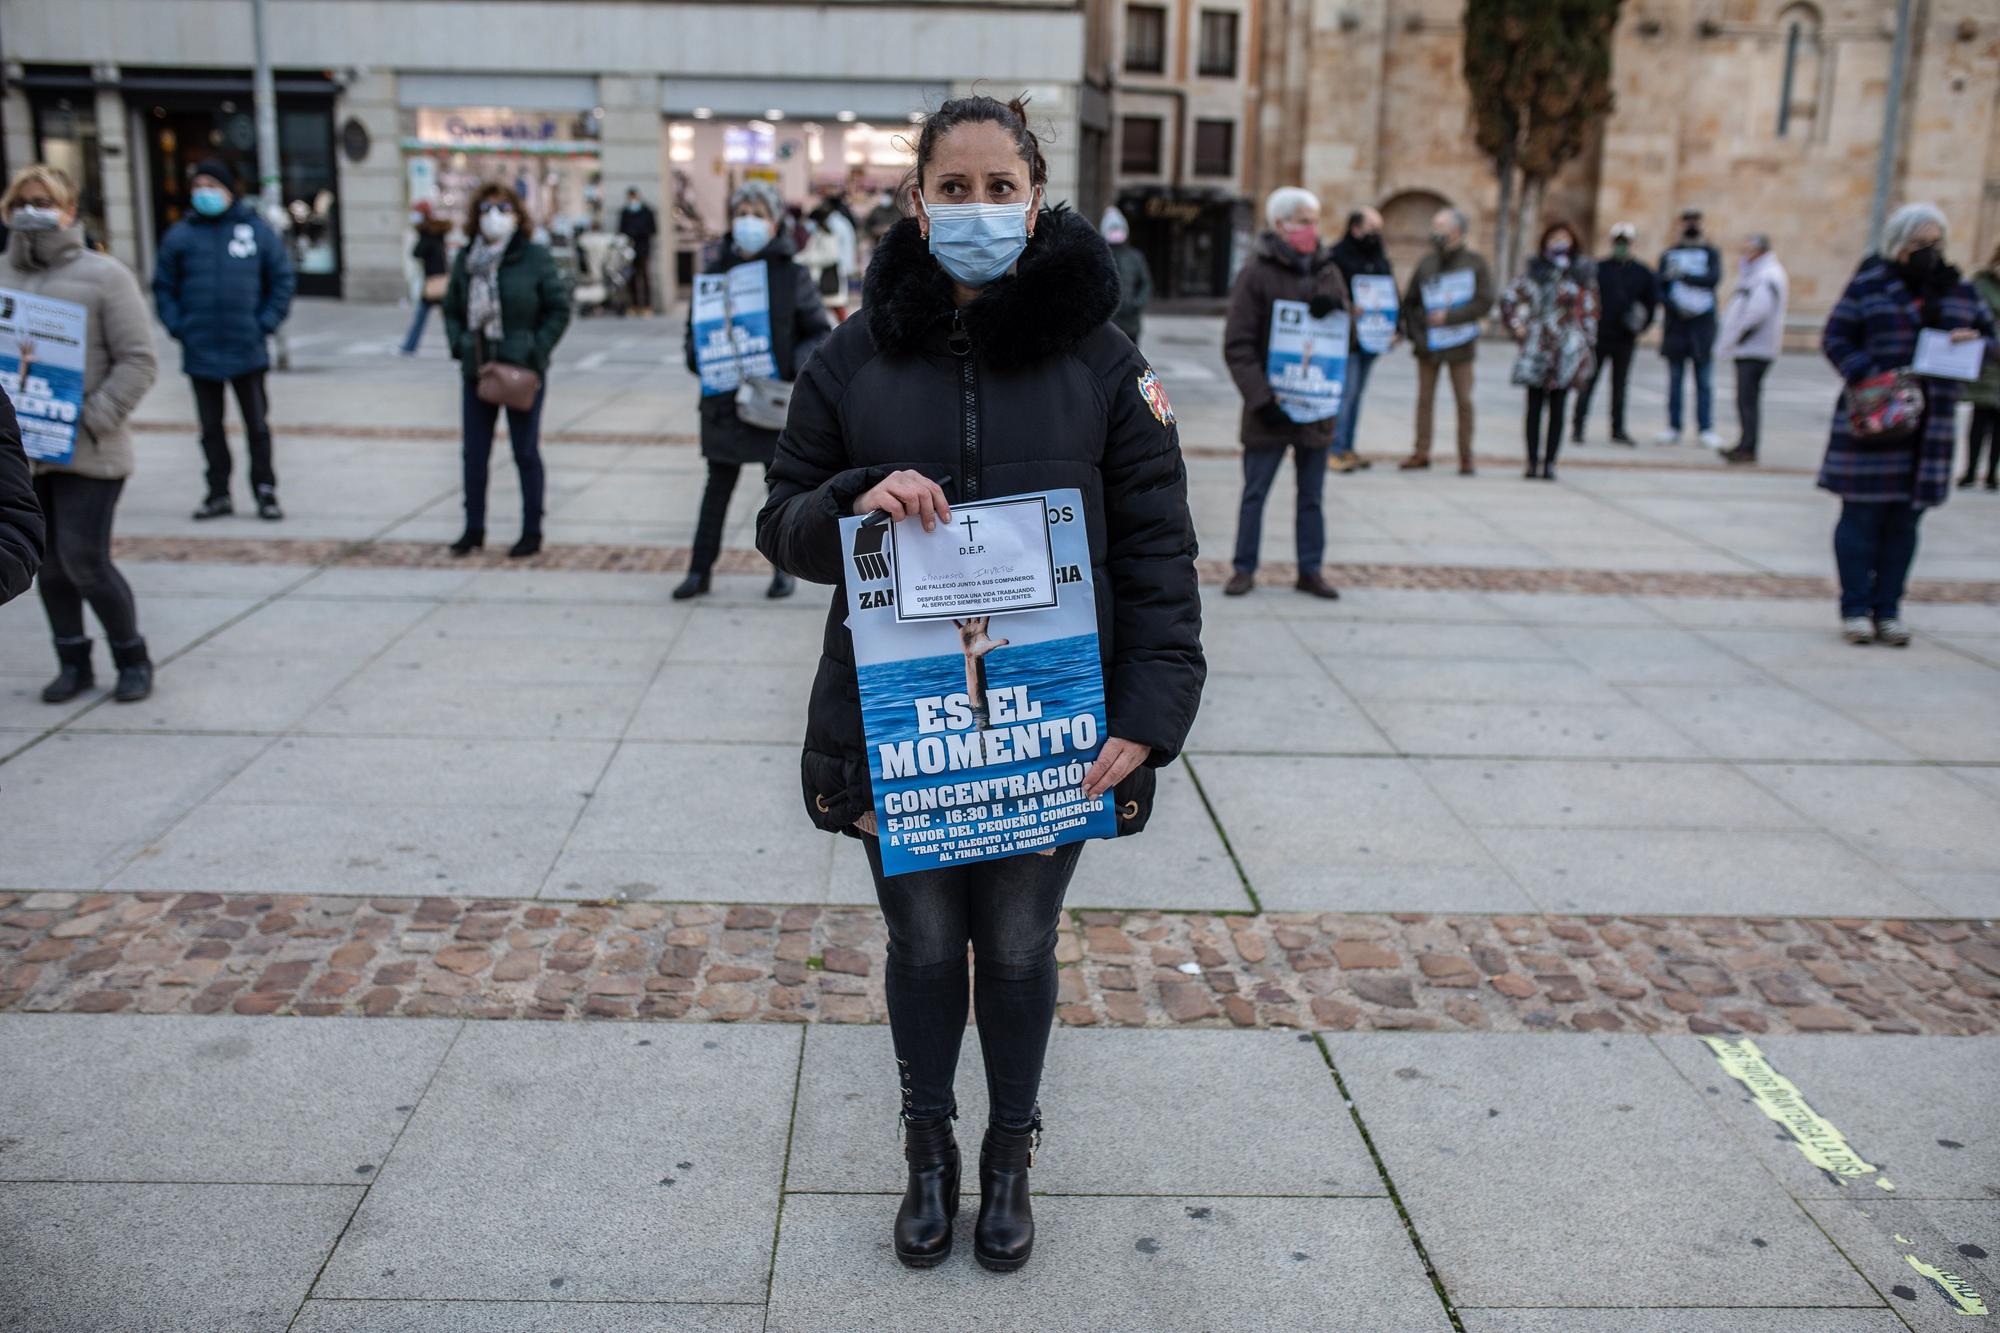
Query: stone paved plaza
pixel 1562 933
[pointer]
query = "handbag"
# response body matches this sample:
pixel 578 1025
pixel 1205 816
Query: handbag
pixel 504 384
pixel 434 287
pixel 1885 410
pixel 763 403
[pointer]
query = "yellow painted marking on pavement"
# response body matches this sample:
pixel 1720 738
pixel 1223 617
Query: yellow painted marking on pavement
pixel 1900 1240
pixel 1776 1096
pixel 1951 1286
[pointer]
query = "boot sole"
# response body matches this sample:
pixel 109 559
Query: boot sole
pixel 993 1265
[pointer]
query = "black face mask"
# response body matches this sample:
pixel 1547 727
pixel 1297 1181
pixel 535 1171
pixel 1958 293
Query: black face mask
pixel 1690 233
pixel 1926 260
pixel 1369 241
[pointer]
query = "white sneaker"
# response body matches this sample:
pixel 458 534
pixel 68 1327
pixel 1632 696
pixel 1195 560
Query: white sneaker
pixel 1858 629
pixel 1669 436
pixel 1710 440
pixel 1893 632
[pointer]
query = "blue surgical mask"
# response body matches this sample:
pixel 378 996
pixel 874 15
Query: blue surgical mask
pixel 209 201
pixel 751 234
pixel 977 243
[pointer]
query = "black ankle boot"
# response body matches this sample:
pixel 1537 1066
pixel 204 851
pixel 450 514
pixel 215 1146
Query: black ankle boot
pixel 75 675
pixel 694 585
pixel 1005 1232
pixel 135 672
pixel 469 541
pixel 930 1201
pixel 530 544
pixel 782 585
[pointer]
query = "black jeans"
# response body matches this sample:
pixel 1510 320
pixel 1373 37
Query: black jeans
pixel 1619 354
pixel 524 433
pixel 1750 372
pixel 79 569
pixel 1552 400
pixel 714 515
pixel 640 285
pixel 1873 545
pixel 1985 431
pixel 1007 910
pixel 208 404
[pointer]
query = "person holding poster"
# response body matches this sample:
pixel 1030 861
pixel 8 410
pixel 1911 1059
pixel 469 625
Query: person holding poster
pixel 76 356
pixel 986 366
pixel 1689 272
pixel 1451 291
pixel 756 312
pixel 1551 311
pixel 1371 286
pixel 1286 342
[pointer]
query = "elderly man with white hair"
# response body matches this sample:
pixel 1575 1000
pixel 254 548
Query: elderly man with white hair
pixel 1451 291
pixel 1290 265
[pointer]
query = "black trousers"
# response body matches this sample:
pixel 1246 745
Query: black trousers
pixel 714 514
pixel 1619 354
pixel 641 282
pixel 1985 431
pixel 1552 401
pixel 79 569
pixel 208 404
pixel 1750 373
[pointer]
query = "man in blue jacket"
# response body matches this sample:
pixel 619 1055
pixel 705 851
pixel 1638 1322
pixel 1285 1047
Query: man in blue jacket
pixel 222 286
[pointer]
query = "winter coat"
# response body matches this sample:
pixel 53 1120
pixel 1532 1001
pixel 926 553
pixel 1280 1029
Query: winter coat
pixel 799 324
pixel 23 536
pixel 1623 286
pixel 1686 336
pixel 1753 323
pixel 1873 328
pixel 119 364
pixel 430 252
pixel 1985 392
pixel 534 309
pixel 222 286
pixel 1552 313
pixel 1276 272
pixel 1047 393
pixel 1356 260
pixel 1135 289
pixel 639 226
pixel 1415 321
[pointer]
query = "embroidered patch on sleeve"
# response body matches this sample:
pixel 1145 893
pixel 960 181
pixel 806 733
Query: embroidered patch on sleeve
pixel 1155 394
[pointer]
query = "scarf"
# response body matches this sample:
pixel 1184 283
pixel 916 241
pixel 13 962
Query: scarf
pixel 482 302
pixel 1930 287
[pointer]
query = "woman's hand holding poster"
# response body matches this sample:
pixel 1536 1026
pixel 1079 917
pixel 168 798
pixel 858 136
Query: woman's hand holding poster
pixel 981 725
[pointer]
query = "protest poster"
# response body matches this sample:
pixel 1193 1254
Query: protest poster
pixel 1374 311
pixel 1442 293
pixel 1688 261
pixel 732 328
pixel 994 557
pixel 42 351
pixel 1307 361
pixel 979 728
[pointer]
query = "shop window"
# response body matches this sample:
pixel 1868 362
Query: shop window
pixel 1145 39
pixel 1214 147
pixel 1139 144
pixel 1218 43
pixel 66 138
pixel 1799 84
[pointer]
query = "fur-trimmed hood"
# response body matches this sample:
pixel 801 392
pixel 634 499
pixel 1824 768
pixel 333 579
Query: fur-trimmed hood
pixel 1062 291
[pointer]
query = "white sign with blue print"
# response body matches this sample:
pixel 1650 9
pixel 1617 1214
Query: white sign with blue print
pixel 42 351
pixel 1374 311
pixel 732 328
pixel 1307 361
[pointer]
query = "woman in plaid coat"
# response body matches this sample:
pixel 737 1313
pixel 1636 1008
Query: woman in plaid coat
pixel 1885 489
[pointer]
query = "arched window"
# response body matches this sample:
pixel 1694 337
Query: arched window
pixel 1804 57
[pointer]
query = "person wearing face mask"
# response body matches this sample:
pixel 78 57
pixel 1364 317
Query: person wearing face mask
pixel 1358 253
pixel 1551 311
pixel 506 302
pixel 1135 280
pixel 222 286
pixel 435 264
pixel 1984 394
pixel 639 225
pixel 1886 484
pixel 1753 333
pixel 1627 297
pixel 1451 291
pixel 984 358
pixel 46 257
pixel 1288 264
pixel 798 325
pixel 1689 273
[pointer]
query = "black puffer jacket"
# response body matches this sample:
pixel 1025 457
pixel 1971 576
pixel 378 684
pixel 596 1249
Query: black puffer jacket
pixel 22 533
pixel 799 324
pixel 1045 394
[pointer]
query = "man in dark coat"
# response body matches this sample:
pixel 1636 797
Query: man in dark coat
pixel 1289 264
pixel 1689 272
pixel 1135 280
pixel 222 286
pixel 1628 297
pixel 1359 254
pixel 639 225
pixel 23 535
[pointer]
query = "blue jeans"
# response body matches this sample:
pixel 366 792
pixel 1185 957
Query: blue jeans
pixel 1873 545
pixel 1359 363
pixel 1704 392
pixel 1260 469
pixel 416 334
pixel 524 433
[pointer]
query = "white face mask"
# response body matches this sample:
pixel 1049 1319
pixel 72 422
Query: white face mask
pixel 28 218
pixel 496 227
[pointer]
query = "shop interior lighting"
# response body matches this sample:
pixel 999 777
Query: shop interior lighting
pixel 774 114
pixel 680 131
pixel 703 113
pixel 844 117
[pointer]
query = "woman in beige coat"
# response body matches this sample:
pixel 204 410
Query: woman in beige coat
pixel 46 257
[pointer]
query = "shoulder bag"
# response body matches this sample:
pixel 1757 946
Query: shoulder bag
pixel 504 384
pixel 1885 410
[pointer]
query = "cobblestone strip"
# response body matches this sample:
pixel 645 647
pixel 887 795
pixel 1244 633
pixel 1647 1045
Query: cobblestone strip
pixel 604 558
pixel 319 955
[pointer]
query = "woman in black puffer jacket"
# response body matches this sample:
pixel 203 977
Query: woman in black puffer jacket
pixel 988 359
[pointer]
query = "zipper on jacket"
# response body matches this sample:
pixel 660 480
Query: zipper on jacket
pixel 960 343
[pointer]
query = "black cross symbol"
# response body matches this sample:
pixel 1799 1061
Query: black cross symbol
pixel 969 521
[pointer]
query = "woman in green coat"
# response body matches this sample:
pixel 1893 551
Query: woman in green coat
pixel 506 302
pixel 1984 395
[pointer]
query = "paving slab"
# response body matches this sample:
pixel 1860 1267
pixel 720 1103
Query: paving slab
pixel 762 635
pixel 387 700
pixel 605 1161
pixel 1921 1109
pixel 1551 730
pixel 216 1100
pixel 1764 722
pixel 1429 641
pixel 1959 1241
pixel 1110 1265
pixel 299 625
pixel 1679 1320
pixel 1237 717
pixel 1906 818
pixel 737 702
pixel 1495 793
pixel 213 691
pixel 1399 680
pixel 1254 1113
pixel 164 1258
pixel 377 770
pixel 1664 656
pixel 1546 1170
pixel 320 1316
